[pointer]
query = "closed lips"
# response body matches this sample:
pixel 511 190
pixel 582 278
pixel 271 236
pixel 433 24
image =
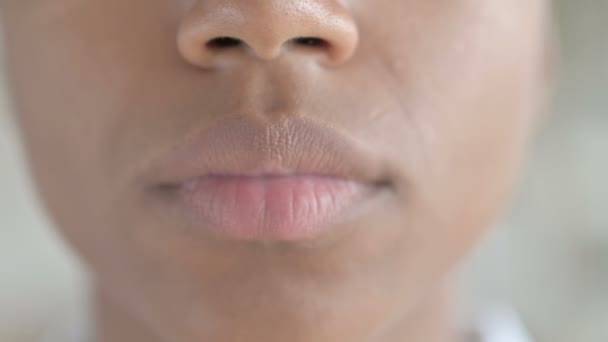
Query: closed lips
pixel 289 181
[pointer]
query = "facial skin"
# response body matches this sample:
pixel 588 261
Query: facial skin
pixel 442 93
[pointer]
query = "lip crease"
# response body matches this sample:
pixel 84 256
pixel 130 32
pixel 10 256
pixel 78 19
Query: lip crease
pixel 292 180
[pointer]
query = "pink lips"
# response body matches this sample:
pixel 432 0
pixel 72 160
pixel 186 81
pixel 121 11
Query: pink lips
pixel 292 180
pixel 268 207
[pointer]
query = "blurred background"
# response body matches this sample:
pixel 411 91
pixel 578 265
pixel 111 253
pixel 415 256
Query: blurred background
pixel 549 260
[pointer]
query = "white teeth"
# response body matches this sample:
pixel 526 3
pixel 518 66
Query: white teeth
pixel 191 184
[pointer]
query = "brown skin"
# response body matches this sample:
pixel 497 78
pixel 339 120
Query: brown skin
pixel 444 92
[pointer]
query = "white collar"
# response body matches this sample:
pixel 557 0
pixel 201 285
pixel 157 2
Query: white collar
pixel 500 324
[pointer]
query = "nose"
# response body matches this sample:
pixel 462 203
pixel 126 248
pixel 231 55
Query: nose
pixel 214 31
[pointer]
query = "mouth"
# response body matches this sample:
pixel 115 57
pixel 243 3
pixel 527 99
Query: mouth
pixel 293 180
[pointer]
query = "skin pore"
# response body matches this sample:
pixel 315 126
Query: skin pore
pixel 443 96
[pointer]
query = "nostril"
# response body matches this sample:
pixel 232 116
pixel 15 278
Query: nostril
pixel 224 42
pixel 310 41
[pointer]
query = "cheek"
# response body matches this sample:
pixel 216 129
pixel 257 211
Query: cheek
pixel 478 124
pixel 64 126
pixel 472 85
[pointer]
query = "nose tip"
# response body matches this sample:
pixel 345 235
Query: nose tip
pixel 216 31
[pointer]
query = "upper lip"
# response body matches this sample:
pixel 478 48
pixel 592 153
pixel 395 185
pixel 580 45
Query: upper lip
pixel 292 146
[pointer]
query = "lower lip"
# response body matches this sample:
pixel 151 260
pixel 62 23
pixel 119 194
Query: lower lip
pixel 279 208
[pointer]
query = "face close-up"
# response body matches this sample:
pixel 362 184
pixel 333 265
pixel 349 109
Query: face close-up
pixel 275 170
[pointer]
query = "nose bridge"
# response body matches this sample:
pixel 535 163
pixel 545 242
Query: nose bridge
pixel 214 29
